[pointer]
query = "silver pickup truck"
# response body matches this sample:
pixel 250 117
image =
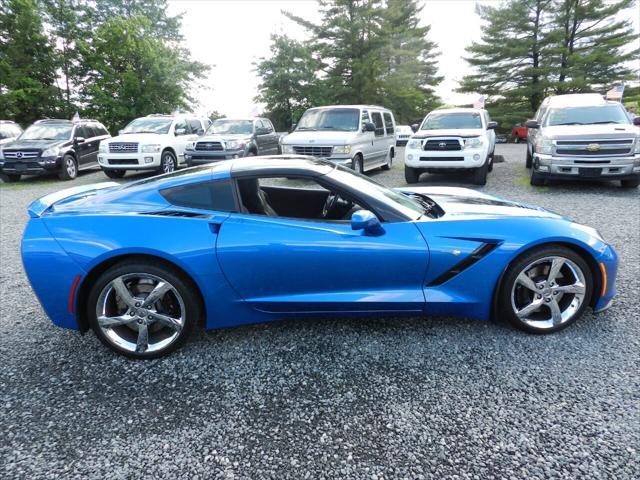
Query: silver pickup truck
pixel 583 136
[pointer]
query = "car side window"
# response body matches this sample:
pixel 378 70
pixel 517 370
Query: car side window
pixel 267 124
pixel 209 195
pixel 92 131
pixel 364 118
pixel 388 122
pixel 377 121
pixel 181 125
pixel 103 131
pixel 81 131
pixel 194 125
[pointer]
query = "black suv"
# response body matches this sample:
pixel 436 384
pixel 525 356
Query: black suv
pixel 59 146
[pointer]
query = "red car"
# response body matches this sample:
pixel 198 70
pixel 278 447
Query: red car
pixel 519 132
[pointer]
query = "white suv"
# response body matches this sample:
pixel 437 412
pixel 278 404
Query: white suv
pixel 450 140
pixel 155 142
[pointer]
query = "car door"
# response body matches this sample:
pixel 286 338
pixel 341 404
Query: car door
pixel 379 141
pixel 490 133
pixel 271 137
pixel 365 139
pixel 183 135
pixel 289 265
pixel 82 145
pixel 93 144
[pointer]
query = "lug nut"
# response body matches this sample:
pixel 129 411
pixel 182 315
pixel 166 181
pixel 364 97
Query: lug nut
pixel 538 296
pixel 137 304
pixel 540 287
pixel 547 299
pixel 555 293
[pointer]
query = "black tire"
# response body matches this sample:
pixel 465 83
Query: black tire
pixel 480 174
pixel 630 183
pixel 168 162
pixel 114 173
pixel 411 175
pixel 490 161
pixel 357 164
pixel 537 180
pixel 389 163
pixel 10 177
pixel 251 153
pixel 185 288
pixel 506 309
pixel 69 168
pixel 529 161
pixel 516 139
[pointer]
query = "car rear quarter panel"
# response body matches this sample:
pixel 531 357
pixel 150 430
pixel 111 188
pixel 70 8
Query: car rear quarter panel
pixel 86 242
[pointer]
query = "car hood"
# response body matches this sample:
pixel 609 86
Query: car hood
pixel 4 141
pixel 319 137
pixel 457 132
pixel 138 138
pixel 40 144
pixel 600 132
pixel 461 203
pixel 225 137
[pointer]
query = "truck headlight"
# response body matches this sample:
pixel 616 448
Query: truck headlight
pixel 544 145
pixel 635 150
pixel 473 142
pixel 287 149
pixel 1 155
pixel 233 144
pixel 150 148
pixel 51 152
pixel 104 147
pixel 413 144
pixel 342 149
pixel 190 146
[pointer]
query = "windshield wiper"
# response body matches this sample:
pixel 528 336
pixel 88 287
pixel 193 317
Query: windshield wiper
pixel 568 123
pixel 140 131
pixel 306 128
pixel 602 123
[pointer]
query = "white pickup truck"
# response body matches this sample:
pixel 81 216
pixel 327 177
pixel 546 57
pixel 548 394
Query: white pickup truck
pixel 450 140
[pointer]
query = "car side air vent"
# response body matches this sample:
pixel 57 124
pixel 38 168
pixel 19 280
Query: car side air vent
pixel 177 213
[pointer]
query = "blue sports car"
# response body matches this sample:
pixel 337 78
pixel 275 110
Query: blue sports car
pixel 264 238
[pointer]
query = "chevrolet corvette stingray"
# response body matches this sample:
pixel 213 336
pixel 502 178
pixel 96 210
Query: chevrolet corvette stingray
pixel 264 238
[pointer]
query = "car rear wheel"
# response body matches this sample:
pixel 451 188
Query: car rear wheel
pixel 389 164
pixel 411 175
pixel 630 183
pixel 168 162
pixel 142 310
pixel 490 161
pixel 546 290
pixel 115 173
pixel 529 160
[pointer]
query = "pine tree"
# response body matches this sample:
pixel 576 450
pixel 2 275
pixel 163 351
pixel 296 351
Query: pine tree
pixel 289 84
pixel 410 70
pixel 27 64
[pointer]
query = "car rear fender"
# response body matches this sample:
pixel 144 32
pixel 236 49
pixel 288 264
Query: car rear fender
pixel 43 204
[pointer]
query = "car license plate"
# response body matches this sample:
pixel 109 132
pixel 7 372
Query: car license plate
pixel 21 167
pixel 590 172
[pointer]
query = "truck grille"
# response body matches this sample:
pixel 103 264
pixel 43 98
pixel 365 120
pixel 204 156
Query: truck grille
pixel 442 145
pixel 313 151
pixel 21 154
pixel 123 161
pixel 123 147
pixel 442 159
pixel 209 146
pixel 594 148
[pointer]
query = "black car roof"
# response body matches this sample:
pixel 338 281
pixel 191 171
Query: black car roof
pixel 281 165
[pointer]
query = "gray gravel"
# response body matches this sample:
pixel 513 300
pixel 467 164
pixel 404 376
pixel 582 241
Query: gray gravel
pixel 333 398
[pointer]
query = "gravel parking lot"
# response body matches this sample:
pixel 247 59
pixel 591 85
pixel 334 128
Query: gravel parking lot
pixel 333 398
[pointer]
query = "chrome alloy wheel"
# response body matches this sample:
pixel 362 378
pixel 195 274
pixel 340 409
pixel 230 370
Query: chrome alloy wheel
pixel 140 312
pixel 168 165
pixel 70 165
pixel 548 292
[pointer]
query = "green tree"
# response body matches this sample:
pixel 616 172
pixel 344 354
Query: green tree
pixel 134 73
pixel 27 64
pixel 289 83
pixel 509 60
pixel 409 67
pixel 591 40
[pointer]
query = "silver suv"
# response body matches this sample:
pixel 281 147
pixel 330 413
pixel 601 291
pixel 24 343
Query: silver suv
pixel 583 136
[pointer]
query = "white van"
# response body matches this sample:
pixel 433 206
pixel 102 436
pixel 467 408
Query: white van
pixel 361 137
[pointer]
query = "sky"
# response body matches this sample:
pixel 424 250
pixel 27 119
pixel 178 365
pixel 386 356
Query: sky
pixel 231 35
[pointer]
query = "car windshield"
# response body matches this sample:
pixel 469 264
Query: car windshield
pixel 9 131
pixel 47 132
pixel 592 115
pixel 362 183
pixel 148 125
pixel 343 119
pixel 451 121
pixel 231 127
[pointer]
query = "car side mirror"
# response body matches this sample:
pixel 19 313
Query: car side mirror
pixel 532 124
pixel 180 131
pixel 492 125
pixel 636 121
pixel 262 131
pixel 367 221
pixel 120 132
pixel 79 140
pixel 293 127
pixel 200 132
pixel 368 127
pixel 414 127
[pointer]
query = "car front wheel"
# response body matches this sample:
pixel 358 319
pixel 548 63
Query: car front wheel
pixel 630 183
pixel 142 310
pixel 480 174
pixel 546 290
pixel 69 168
pixel 411 175
pixel 10 177
pixel 168 162
pixel 115 173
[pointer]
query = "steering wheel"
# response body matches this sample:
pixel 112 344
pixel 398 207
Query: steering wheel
pixel 329 203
